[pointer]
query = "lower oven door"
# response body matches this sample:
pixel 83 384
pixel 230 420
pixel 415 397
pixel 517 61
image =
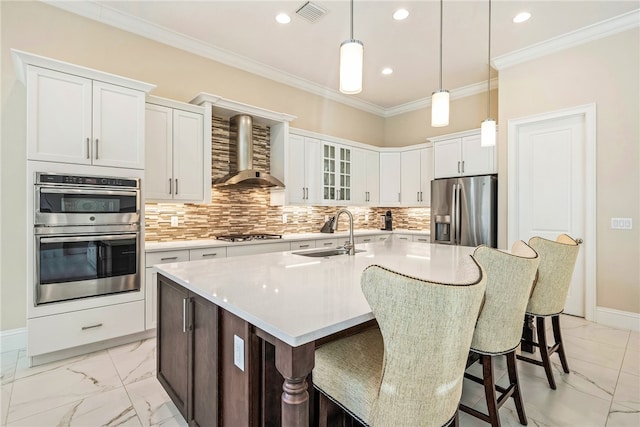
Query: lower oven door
pixel 79 266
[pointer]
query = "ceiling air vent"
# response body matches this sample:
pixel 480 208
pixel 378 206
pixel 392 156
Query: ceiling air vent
pixel 311 11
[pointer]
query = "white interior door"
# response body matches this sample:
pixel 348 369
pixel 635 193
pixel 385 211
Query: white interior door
pixel 547 188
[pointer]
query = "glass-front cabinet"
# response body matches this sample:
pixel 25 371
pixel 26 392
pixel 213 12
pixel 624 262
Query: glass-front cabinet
pixel 336 180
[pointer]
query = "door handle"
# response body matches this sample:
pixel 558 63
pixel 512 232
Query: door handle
pixel 417 196
pixel 170 186
pixel 88 148
pixel 463 166
pixel 458 166
pixel 185 302
pixel 176 186
pixel 97 141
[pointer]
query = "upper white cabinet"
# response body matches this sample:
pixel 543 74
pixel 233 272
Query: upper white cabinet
pixel 390 179
pixel 462 155
pixel 176 152
pixel 72 119
pixel 365 182
pixel 80 115
pixel 303 179
pixel 415 177
pixel 336 173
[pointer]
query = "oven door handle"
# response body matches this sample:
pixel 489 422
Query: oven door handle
pixel 85 238
pixel 47 190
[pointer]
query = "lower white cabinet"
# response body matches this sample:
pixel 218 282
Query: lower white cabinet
pixel 371 239
pixel 258 249
pixel 207 253
pixel 151 298
pixel 303 244
pixel 82 327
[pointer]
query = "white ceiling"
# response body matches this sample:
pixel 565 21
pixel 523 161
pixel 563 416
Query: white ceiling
pixel 246 33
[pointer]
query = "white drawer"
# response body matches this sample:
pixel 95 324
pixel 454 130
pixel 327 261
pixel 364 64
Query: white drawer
pixel 371 239
pixel 207 253
pixel 258 249
pixel 154 258
pixel 328 243
pixel 61 331
pixel 421 239
pixel 404 237
pixel 303 244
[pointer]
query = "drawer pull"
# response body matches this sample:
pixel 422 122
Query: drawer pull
pixel 304 246
pixel 211 254
pixel 328 244
pixel 97 325
pixel 168 258
pixel 366 240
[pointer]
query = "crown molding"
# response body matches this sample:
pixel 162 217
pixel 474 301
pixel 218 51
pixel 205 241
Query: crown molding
pixel 461 92
pixel 600 30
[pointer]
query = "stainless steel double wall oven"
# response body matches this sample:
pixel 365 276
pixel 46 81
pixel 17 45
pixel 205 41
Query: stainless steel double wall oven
pixel 87 236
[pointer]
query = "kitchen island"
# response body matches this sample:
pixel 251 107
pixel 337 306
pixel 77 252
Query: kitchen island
pixel 272 309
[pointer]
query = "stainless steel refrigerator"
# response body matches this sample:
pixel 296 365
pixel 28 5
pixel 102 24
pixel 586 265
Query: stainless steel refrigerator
pixel 464 211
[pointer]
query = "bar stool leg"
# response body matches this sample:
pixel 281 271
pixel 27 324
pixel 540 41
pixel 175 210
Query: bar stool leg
pixel 544 351
pixel 555 321
pixel 513 379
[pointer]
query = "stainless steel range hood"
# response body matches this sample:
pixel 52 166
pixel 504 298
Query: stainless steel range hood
pixel 246 175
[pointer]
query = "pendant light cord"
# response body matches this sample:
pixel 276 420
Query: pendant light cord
pixel 351 19
pixel 489 68
pixel 441 45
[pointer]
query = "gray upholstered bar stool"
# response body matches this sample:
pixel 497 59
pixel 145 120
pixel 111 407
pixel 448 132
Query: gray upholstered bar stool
pixel 510 277
pixel 409 372
pixel 557 261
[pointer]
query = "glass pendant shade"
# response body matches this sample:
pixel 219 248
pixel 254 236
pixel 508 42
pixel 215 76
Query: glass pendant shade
pixel 351 59
pixel 488 133
pixel 440 108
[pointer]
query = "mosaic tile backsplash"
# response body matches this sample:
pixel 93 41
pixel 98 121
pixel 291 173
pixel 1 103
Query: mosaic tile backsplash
pixel 244 210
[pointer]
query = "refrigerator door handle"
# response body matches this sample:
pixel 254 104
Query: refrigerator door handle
pixel 454 212
pixel 458 214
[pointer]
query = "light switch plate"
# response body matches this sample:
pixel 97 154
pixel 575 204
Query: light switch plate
pixel 174 221
pixel 621 223
pixel 284 218
pixel 238 352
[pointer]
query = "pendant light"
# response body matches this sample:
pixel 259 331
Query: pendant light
pixel 351 58
pixel 488 126
pixel 440 98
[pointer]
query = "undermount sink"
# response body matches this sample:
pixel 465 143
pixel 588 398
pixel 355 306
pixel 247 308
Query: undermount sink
pixel 319 253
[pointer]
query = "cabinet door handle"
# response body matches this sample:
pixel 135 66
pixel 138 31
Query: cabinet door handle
pixel 97 325
pixel 169 258
pixel 458 166
pixel 463 166
pixel 97 142
pixel 176 186
pixel 211 254
pixel 170 186
pixel 421 198
pixel 398 196
pixel 185 302
pixel 88 148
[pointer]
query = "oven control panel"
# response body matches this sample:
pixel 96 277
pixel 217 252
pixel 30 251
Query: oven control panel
pixel 50 178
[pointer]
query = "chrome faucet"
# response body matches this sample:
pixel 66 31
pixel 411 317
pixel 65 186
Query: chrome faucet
pixel 351 244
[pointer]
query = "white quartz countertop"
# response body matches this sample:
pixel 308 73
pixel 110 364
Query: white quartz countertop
pixel 299 299
pixel 208 243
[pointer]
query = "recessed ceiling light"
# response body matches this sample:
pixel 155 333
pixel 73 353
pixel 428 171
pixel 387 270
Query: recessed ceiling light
pixel 400 14
pixel 283 18
pixel 386 71
pixel 521 17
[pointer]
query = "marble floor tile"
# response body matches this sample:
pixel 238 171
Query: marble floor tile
pixel 608 356
pixel 111 408
pixel 625 408
pixel 53 385
pixel 594 332
pixel 631 362
pixel 8 362
pixel 136 361
pixel 152 403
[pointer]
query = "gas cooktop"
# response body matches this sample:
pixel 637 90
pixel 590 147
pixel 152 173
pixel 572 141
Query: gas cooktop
pixel 247 237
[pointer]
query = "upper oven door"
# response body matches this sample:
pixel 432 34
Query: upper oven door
pixel 60 205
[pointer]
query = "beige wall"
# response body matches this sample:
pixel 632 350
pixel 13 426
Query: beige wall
pixel 605 72
pixel 415 127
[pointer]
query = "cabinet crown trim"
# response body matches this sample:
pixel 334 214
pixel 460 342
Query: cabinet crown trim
pixel 228 108
pixel 23 59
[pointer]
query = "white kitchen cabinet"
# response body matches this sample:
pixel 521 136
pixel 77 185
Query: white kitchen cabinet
pixel 151 276
pixel 175 151
pixel 62 331
pixel 365 182
pixel 463 156
pixel 74 119
pixel 371 239
pixel 336 173
pixel 390 179
pixel 303 178
pixel 207 253
pixel 416 175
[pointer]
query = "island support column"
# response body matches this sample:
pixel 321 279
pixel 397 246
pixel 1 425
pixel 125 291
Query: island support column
pixel 295 364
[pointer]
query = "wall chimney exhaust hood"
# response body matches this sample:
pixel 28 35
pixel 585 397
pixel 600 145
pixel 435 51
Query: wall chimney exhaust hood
pixel 245 176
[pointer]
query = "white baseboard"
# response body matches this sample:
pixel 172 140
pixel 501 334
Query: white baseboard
pixel 618 319
pixel 13 339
